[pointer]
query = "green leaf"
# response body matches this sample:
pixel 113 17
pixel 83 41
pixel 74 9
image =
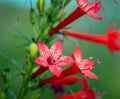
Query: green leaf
pixel 12 61
pixel 22 35
pixel 21 45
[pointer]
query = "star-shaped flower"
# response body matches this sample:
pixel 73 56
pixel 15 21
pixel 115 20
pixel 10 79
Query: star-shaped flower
pixel 52 58
pixel 85 65
pixel 80 66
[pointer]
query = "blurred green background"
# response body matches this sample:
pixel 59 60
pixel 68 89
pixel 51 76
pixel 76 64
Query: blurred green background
pixel 108 71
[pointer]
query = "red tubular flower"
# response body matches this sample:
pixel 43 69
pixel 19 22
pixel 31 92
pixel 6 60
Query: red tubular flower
pixel 67 80
pixel 57 85
pixel 72 70
pixel 85 65
pixel 86 93
pixel 72 79
pixel 82 66
pixel 83 8
pixel 52 58
pixel 110 39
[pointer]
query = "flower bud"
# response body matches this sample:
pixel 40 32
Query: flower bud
pixel 32 16
pixel 40 6
pixel 47 29
pixel 33 49
pixel 57 15
pixel 50 10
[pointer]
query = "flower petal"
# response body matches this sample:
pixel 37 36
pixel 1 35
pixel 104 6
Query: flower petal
pixel 65 60
pixel 55 70
pixel 111 28
pixel 90 8
pixel 77 55
pixel 86 64
pixel 94 15
pixel 56 50
pixel 41 60
pixel 43 49
pixel 90 74
pixel 82 2
pixel 93 7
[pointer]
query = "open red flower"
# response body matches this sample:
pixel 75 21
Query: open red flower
pixel 81 66
pixel 84 7
pixel 90 8
pixel 110 39
pixel 52 58
pixel 85 65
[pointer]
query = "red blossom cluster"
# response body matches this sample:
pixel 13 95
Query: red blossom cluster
pixel 52 59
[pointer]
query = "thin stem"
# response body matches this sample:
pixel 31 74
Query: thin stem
pixel 22 11
pixel 23 88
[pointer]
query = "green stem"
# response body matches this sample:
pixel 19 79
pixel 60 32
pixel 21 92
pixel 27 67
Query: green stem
pixel 23 88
